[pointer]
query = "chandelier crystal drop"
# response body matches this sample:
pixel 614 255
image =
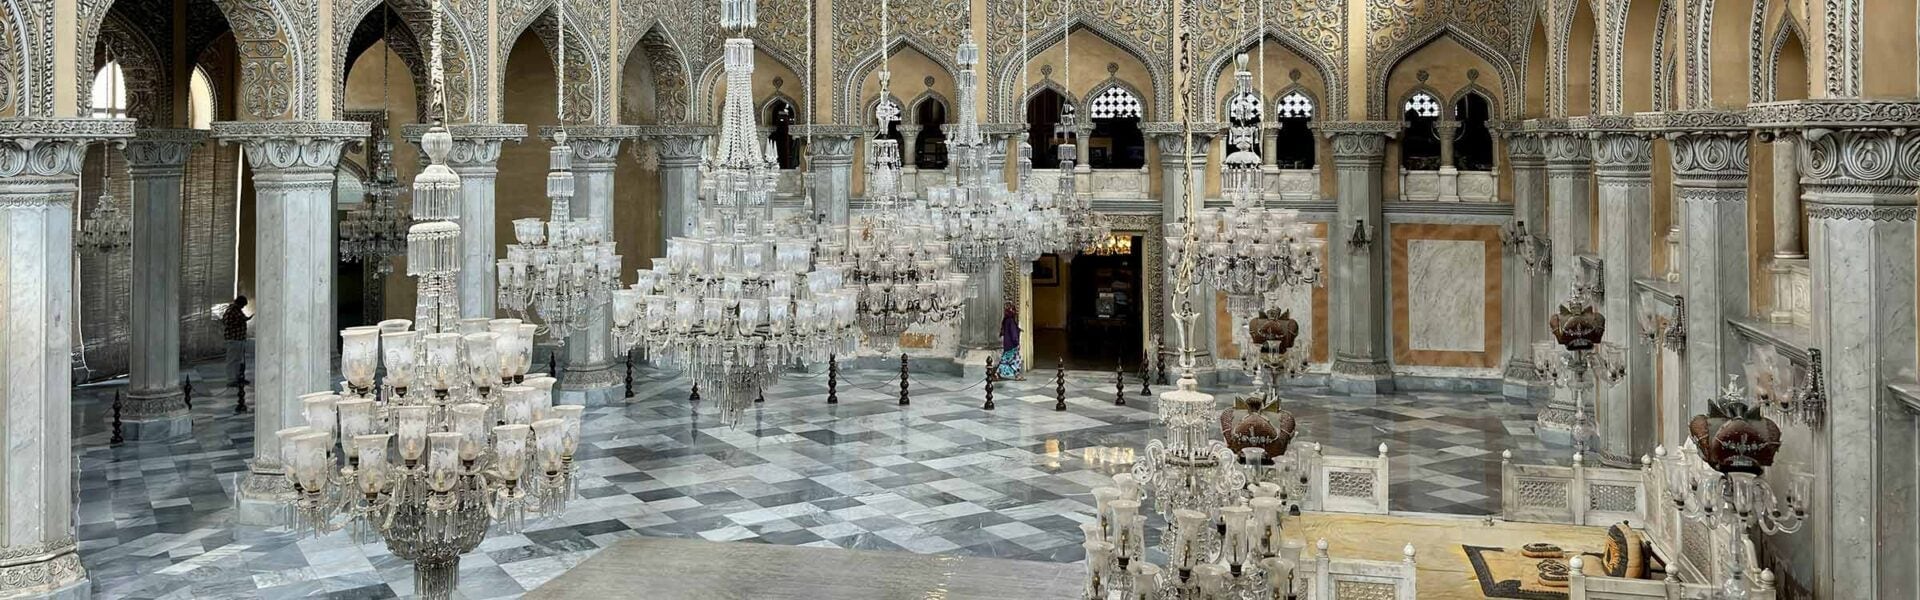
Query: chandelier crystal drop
pixel 377 229
pixel 453 436
pixel 740 300
pixel 563 268
pixel 106 229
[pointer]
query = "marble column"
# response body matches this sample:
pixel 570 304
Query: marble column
pixel 678 149
pixel 1710 181
pixel 155 406
pixel 476 158
pixel 909 140
pixel 1787 242
pixel 591 361
pixel 1361 357
pixel 1623 168
pixel 1570 226
pixel 40 161
pixel 293 169
pixel 1856 159
pixel 830 152
pixel 1524 302
pixel 1449 175
pixel 1269 142
pixel 1083 148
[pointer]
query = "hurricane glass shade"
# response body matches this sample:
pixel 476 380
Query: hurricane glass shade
pixel 373 468
pixel 397 352
pixel 410 429
pixel 469 419
pixel 359 355
pixel 443 460
pixel 510 449
pixel 318 408
pixel 289 453
pixel 569 415
pixel 356 419
pixel 444 369
pixel 547 443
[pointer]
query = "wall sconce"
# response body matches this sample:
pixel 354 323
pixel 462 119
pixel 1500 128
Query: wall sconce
pixel 1663 332
pixel 1536 252
pixel 1360 236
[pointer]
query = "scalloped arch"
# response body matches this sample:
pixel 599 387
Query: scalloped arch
pixel 709 112
pixel 149 81
pixel 913 106
pixel 1334 79
pixel 1004 76
pixel 1377 81
pixel 857 78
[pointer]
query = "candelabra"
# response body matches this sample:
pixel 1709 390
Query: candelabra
pixel 563 268
pixel 455 436
pixel 738 301
pixel 1536 252
pixel 1575 362
pixel 377 229
pixel 1665 332
pixel 106 229
pixel 1797 396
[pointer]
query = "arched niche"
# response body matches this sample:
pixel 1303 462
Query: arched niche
pixel 1538 58
pixel 1637 62
pixel 1787 74
pixel 771 76
pixel 1579 79
pixel 1096 60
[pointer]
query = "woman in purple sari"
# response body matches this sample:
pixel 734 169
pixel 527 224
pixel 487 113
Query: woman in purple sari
pixel 1010 365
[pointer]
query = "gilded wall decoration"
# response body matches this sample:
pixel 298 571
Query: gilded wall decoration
pixel 928 26
pixel 1491 29
pixel 1138 27
pixel 1313 29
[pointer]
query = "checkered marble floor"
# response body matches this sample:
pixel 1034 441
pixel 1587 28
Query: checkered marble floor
pixel 938 476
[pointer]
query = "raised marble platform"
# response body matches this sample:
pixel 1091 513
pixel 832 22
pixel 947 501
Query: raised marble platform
pixel 675 569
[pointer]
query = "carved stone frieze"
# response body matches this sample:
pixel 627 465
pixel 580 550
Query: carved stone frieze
pixel 292 146
pixel 1314 29
pixel 1707 144
pixel 1169 138
pixel 474 144
pixel 39 567
pixel 54 147
pixel 1622 153
pixel 1525 150
pixel 162 148
pixel 143 64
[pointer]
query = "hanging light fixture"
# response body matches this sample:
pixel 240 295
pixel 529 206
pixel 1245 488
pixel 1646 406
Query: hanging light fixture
pixel 985 224
pixel 563 268
pixel 106 229
pixel 1082 227
pixel 890 251
pixel 454 436
pixel 376 230
pixel 737 301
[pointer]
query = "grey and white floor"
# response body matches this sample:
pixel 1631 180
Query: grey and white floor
pixel 938 476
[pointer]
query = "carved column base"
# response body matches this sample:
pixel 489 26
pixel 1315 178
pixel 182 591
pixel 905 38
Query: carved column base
pixel 1519 382
pixel 155 416
pixel 265 498
pixel 1351 376
pixel 591 377
pixel 49 571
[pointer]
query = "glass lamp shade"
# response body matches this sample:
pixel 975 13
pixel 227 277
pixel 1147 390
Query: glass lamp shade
pixel 510 449
pixel 410 430
pixel 318 408
pixel 443 460
pixel 443 360
pixel 569 415
pixel 373 468
pixel 470 421
pixel 517 404
pixel 309 466
pixel 398 350
pixel 356 419
pixel 359 355
pixel 288 451
pixel 484 357
pixel 547 444
pixel 542 397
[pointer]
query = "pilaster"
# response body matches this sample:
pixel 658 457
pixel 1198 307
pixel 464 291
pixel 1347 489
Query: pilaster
pixel 1623 168
pixel 293 169
pixel 40 161
pixel 476 158
pixel 155 407
pixel 1357 247
pixel 1860 166
pixel 678 148
pixel 1524 303
pixel 590 354
pixel 830 152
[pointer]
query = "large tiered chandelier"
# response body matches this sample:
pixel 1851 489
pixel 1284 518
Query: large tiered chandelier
pixel 1082 228
pixel 454 436
pixel 983 222
pixel 890 251
pixel 738 301
pixel 106 229
pixel 563 268
pixel 1247 250
pixel 377 229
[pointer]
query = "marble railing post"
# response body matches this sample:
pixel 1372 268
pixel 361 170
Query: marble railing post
pixel 1449 175
pixel 157 162
pixel 1524 302
pixel 909 140
pixel 1623 167
pixel 40 162
pixel 590 354
pixel 476 158
pixel 1787 242
pixel 678 149
pixel 1176 156
pixel 1860 180
pixel 830 149
pixel 293 170
pixel 1710 179
pixel 1361 360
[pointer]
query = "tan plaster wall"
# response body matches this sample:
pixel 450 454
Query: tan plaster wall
pixel 1537 58
pixel 1732 20
pixel 766 69
pixel 1579 67
pixel 1636 59
pixel 1888 49
pixel 364 93
pixel 1446 63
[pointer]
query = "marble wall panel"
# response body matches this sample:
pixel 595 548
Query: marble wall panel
pixel 1445 290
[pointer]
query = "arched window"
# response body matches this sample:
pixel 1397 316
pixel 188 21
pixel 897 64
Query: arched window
pixel 109 92
pixel 930 152
pixel 1116 142
pixel 1420 150
pixel 781 117
pixel 1244 110
pixel 1473 145
pixel 1043 116
pixel 200 104
pixel 1294 143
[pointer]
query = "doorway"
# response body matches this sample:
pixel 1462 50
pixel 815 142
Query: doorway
pixel 1087 311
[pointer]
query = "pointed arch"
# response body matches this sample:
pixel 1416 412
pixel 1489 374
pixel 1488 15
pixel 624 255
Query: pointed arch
pixel 715 72
pixel 587 77
pixel 1377 107
pixel 1296 88
pixel 1475 89
pixel 1050 84
pixel 1538 77
pixel 1006 76
pixel 671 67
pixel 1579 32
pixel 145 68
pixel 851 87
pixel 763 108
pixel 1401 102
pixel 1787 31
pixel 913 107
pixel 1335 79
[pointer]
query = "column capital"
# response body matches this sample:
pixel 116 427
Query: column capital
pixel 909 130
pixel 1859 160
pixel 1170 138
pixel 1525 150
pixel 163 151
pixel 1709 146
pixel 54 147
pixel 595 146
pixel 474 144
pixel 306 147
pixel 831 149
pixel 1567 150
pixel 1359 143
pixel 1619 146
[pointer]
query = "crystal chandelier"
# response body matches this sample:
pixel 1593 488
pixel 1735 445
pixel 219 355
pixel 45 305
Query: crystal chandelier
pixel 376 230
pixel 563 268
pixel 1082 228
pixel 1114 244
pixel 454 436
pixel 1575 361
pixel 984 223
pixel 106 230
pixel 890 251
pixel 1223 510
pixel 738 301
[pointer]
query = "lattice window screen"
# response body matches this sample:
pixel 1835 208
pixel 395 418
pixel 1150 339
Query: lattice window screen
pixel 1295 106
pixel 1115 103
pixel 1423 105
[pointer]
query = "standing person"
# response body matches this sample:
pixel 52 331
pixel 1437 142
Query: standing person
pixel 233 328
pixel 1010 365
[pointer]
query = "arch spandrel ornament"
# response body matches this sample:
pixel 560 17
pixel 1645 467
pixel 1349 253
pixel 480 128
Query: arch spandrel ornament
pixel 856 72
pixel 1331 76
pixel 467 100
pixel 148 80
pixel 1004 73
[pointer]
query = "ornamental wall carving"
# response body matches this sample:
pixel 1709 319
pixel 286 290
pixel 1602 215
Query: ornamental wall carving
pixel 1492 29
pixel 929 26
pixel 1137 27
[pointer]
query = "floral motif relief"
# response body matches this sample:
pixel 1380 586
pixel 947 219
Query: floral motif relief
pixel 141 63
pixel 671 102
pixel 856 29
pixel 9 62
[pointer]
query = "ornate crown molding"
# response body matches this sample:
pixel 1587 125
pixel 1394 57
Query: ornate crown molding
pixel 1170 138
pixel 54 147
pixel 1833 114
pixel 836 130
pixel 501 132
pixel 162 148
pixel 576 133
pixel 292 145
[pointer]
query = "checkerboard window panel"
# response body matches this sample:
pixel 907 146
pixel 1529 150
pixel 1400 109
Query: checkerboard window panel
pixel 1115 103
pixel 1294 105
pixel 1423 105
